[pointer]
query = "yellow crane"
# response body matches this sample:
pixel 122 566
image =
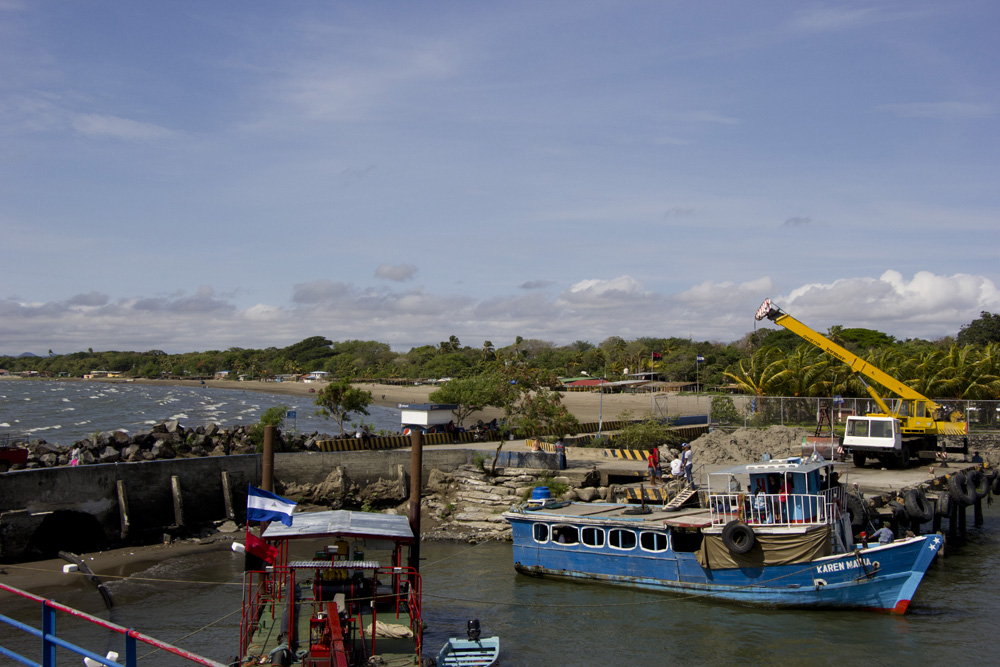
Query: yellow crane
pixel 909 425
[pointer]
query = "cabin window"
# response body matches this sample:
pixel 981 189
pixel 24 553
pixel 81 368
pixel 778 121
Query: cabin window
pixel 593 537
pixel 650 541
pixel 541 532
pixel 685 541
pixel 881 429
pixel 859 428
pixel 619 538
pixel 566 534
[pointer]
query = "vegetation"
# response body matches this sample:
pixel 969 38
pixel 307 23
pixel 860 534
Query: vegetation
pixel 273 416
pixel 339 400
pixel 767 362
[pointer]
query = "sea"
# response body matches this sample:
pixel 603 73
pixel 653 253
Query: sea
pixel 62 412
pixel 193 601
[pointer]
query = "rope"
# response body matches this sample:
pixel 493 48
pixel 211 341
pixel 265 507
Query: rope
pixel 130 578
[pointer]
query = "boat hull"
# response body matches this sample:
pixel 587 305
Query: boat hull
pixel 883 578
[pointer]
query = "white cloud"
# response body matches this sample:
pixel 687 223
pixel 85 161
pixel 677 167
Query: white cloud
pixel 940 110
pixel 396 272
pixel 96 125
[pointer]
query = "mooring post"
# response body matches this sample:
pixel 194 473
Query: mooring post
pixel 961 519
pixel 227 496
pixel 267 467
pixel 953 522
pixel 123 508
pixel 175 489
pixel 977 512
pixel 416 477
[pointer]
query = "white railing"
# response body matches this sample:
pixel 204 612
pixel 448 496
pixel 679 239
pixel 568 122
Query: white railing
pixel 776 508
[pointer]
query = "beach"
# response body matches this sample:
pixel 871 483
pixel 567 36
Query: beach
pixel 585 406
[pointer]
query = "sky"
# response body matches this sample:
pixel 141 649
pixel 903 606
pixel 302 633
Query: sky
pixel 192 176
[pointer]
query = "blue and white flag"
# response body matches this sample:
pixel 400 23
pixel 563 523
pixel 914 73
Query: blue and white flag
pixel 265 506
pixel 699 358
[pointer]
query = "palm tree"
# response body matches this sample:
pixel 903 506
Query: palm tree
pixel 758 373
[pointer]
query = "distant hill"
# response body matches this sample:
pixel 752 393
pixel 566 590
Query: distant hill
pixel 26 354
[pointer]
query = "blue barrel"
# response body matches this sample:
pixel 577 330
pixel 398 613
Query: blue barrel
pixel 541 493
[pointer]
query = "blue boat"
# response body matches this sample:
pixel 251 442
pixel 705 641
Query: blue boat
pixel 471 652
pixel 775 533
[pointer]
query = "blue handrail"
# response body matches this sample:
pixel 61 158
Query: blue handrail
pixel 50 642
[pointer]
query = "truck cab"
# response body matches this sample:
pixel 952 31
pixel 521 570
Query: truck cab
pixel 875 437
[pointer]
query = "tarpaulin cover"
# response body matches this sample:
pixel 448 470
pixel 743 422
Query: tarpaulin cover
pixel 767 550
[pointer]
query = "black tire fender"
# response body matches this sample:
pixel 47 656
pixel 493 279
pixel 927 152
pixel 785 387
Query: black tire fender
pixel 898 511
pixel 995 486
pixel 917 506
pixel 944 505
pixel 855 509
pixel 979 483
pixel 961 490
pixel 738 537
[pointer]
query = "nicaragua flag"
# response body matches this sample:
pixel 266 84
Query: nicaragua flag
pixel 265 506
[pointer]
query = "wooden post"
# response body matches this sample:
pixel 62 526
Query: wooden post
pixel 416 478
pixel 123 508
pixel 227 496
pixel 267 467
pixel 978 512
pixel 175 489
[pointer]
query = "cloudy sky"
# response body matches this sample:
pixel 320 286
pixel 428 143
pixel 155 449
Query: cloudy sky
pixel 200 175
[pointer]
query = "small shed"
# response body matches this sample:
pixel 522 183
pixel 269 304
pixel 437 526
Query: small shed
pixel 425 416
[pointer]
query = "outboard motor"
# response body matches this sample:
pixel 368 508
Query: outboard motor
pixel 474 630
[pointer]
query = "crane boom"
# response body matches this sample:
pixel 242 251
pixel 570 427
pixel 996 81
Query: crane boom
pixel 918 414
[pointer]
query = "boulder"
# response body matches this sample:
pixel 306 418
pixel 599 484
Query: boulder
pixel 163 450
pixel 109 454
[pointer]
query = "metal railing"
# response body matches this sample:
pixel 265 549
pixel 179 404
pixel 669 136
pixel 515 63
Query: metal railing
pixel 776 509
pixel 51 642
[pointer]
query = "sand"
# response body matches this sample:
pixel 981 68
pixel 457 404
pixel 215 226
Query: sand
pixel 585 406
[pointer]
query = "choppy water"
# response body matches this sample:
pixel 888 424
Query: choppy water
pixel 64 412
pixel 543 622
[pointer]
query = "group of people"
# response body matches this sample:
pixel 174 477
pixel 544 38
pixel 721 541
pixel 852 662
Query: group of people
pixel 680 468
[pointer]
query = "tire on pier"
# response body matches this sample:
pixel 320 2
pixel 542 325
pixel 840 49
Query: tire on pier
pixel 995 486
pixel 961 489
pixel 918 508
pixel 944 505
pixel 979 483
pixel 856 510
pixel 738 537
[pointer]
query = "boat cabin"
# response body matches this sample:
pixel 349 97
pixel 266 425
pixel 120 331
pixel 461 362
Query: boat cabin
pixel 338 589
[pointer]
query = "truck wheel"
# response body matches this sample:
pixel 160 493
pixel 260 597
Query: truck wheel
pixel 903 458
pixel 4 466
pixel 859 459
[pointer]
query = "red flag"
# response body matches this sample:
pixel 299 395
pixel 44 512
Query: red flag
pixel 657 355
pixel 261 549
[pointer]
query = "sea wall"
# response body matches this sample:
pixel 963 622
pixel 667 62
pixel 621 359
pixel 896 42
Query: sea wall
pixel 86 508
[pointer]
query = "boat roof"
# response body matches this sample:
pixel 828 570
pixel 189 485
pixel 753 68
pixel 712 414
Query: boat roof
pixel 602 513
pixel 342 523
pixel 794 464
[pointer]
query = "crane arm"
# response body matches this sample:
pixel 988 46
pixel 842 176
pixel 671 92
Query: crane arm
pixel 856 363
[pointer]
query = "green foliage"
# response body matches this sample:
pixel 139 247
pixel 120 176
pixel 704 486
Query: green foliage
pixel 645 434
pixel 470 394
pixel 981 331
pixel 557 489
pixel 339 400
pixel 273 416
pixel 724 411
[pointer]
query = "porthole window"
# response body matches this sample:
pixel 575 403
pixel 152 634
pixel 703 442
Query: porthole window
pixel 565 534
pixel 592 537
pixel 652 541
pixel 619 538
pixel 541 532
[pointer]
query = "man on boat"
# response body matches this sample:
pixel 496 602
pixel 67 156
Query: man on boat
pixel 884 535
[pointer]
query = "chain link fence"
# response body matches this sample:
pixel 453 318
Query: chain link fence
pixel 762 411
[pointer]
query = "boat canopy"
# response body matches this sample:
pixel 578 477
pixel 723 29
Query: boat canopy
pixel 343 523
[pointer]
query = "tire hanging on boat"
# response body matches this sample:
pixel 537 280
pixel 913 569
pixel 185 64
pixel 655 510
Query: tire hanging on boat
pixel 961 490
pixel 917 506
pixel 979 483
pixel 738 537
pixel 995 486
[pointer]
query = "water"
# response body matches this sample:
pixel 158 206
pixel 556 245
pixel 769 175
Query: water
pixel 544 622
pixel 64 412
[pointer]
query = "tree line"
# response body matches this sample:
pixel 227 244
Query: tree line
pixel 764 362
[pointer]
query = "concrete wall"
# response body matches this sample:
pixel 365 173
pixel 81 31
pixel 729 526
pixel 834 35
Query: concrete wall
pixel 146 491
pixel 362 467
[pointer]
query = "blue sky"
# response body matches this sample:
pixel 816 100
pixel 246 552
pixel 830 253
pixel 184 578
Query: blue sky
pixel 201 175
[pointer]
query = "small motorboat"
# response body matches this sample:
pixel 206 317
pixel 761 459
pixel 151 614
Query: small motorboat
pixel 471 652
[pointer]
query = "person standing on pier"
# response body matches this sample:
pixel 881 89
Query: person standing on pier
pixel 688 464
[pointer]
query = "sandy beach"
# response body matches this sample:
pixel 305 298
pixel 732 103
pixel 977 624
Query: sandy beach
pixel 586 406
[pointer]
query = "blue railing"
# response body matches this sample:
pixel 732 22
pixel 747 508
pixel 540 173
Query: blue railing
pixel 50 642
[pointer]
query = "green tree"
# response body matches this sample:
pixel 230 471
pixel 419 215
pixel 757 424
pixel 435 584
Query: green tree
pixel 981 331
pixel 470 394
pixel 339 400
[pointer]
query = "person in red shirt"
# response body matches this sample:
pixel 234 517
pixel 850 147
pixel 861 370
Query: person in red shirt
pixel 653 461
